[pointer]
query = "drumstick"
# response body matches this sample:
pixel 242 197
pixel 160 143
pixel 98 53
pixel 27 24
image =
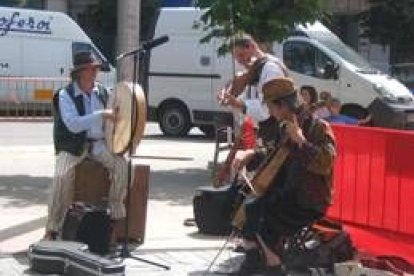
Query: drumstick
pixel 243 174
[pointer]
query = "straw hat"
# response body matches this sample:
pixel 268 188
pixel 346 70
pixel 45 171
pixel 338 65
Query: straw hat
pixel 278 88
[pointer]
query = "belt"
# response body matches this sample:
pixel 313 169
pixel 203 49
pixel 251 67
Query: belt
pixel 91 140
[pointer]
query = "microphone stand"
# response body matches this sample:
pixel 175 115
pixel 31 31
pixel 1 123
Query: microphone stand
pixel 125 253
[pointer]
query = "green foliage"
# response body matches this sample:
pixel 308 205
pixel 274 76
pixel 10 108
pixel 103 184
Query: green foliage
pixel 266 20
pixel 100 22
pixel 389 21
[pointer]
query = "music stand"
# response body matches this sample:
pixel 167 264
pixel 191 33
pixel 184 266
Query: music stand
pixel 137 54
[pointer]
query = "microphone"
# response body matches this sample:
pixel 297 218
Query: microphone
pixel 155 42
pixel 145 46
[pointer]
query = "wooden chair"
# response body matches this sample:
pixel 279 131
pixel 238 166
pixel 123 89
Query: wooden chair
pixel 92 185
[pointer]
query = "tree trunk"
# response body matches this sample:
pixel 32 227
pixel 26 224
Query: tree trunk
pixel 127 35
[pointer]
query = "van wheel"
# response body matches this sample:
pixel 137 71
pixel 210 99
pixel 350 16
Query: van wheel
pixel 174 120
pixel 208 130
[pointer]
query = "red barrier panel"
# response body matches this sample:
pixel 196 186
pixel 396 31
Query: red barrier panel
pixel 374 178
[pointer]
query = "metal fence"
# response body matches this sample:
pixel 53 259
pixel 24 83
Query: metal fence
pixel 28 97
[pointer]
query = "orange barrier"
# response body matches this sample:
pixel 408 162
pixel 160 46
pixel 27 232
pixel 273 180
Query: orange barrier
pixel 374 178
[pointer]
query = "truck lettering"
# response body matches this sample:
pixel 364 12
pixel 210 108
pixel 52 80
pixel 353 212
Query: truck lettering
pixel 16 23
pixel 4 65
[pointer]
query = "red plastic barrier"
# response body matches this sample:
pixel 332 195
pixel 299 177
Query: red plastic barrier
pixel 374 189
pixel 374 178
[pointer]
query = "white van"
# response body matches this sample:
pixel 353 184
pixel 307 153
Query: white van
pixel 36 56
pixel 317 57
pixel 184 75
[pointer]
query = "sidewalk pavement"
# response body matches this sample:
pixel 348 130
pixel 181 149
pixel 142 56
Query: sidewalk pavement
pixel 181 262
pixel 26 173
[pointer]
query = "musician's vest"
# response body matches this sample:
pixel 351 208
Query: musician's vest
pixel 63 138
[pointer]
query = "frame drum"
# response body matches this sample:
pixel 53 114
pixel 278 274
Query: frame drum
pixel 127 131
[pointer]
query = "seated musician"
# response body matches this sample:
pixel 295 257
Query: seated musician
pixel 298 177
pixel 78 132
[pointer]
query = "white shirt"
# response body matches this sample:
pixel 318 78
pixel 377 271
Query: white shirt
pixel 255 106
pixel 91 122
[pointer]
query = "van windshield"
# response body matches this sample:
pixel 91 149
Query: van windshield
pixel 336 45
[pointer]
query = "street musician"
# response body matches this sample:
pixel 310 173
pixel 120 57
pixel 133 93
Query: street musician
pixel 79 114
pixel 292 187
pixel 245 94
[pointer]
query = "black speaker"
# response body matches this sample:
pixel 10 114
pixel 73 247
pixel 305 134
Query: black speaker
pixel 89 224
pixel 213 209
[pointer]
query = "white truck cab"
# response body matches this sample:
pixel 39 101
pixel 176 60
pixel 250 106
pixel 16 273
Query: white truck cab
pixel 316 57
pixel 185 75
pixel 36 55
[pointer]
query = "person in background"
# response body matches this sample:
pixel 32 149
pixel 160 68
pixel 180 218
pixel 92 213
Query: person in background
pixel 321 109
pixel 325 96
pixel 78 132
pixel 335 106
pixel 309 97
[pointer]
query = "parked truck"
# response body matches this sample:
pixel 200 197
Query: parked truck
pixel 36 56
pixel 184 75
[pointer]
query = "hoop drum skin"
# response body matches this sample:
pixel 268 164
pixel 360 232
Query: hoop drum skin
pixel 132 116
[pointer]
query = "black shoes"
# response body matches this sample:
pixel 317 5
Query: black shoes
pixel 254 264
pixel 277 270
pixel 51 236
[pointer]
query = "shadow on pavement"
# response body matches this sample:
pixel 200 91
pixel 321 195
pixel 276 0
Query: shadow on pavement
pixel 199 236
pixel 22 228
pixel 177 186
pixel 23 190
pixel 195 138
pixel 23 261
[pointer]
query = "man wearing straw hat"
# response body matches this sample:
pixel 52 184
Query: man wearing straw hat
pixel 299 191
pixel 78 132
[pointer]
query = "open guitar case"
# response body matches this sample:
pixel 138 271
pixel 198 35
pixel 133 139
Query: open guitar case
pixel 71 258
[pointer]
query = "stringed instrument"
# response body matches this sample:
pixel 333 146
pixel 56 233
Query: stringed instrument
pixel 241 80
pixel 245 140
pixel 264 176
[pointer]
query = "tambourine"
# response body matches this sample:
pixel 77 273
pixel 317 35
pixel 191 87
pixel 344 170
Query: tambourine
pixel 126 133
